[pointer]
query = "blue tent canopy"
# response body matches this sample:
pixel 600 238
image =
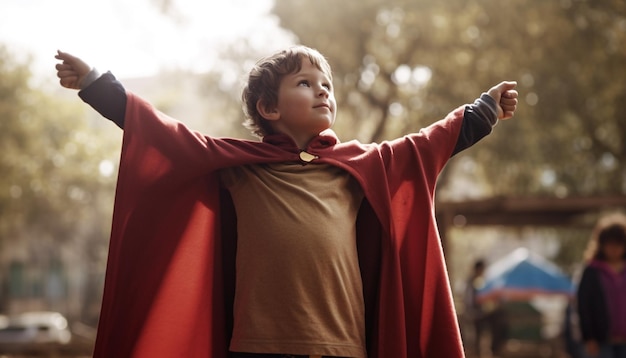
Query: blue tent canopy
pixel 522 274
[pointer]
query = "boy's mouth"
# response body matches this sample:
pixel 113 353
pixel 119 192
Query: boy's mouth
pixel 322 105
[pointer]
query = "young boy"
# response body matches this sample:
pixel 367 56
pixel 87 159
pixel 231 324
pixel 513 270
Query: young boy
pixel 295 246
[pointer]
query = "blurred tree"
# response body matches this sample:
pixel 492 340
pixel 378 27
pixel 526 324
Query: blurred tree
pixel 54 165
pixel 401 64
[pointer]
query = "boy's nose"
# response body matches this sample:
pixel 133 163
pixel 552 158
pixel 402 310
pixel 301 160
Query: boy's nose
pixel 324 91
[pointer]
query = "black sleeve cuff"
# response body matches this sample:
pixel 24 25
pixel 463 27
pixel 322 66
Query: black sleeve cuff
pixel 108 97
pixel 478 121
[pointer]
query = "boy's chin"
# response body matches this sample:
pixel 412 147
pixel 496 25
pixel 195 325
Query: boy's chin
pixel 326 126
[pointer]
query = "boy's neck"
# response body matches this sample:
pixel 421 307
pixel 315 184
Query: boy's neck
pixel 302 142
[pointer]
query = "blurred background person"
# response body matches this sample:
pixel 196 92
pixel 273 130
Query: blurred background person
pixel 602 290
pixel 474 313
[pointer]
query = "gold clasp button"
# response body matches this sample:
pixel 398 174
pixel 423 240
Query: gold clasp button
pixel 307 157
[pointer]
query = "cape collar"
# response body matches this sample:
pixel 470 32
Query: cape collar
pixel 325 139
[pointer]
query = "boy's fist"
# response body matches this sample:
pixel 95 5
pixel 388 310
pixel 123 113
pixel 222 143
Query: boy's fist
pixel 506 98
pixel 71 71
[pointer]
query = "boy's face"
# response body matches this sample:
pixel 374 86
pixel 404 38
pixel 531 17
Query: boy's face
pixel 306 104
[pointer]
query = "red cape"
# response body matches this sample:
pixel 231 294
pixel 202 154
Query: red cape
pixel 170 274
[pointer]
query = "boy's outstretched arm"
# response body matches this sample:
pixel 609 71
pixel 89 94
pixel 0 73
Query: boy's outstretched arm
pixel 505 95
pixel 72 71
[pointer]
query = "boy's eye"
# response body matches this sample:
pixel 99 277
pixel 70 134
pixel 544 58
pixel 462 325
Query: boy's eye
pixel 306 83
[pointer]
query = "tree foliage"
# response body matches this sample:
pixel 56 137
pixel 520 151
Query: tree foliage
pixel 54 166
pixel 399 65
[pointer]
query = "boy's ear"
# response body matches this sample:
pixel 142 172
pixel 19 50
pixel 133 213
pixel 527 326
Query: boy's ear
pixel 268 112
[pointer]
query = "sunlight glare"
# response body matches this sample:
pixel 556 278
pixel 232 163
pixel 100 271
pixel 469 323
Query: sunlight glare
pixel 106 168
pixel 131 38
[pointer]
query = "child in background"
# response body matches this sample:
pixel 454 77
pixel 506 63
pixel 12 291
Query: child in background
pixel 297 245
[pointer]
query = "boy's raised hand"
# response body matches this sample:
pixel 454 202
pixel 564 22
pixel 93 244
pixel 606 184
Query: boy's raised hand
pixel 71 71
pixel 506 97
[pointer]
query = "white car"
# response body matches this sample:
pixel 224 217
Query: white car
pixel 34 328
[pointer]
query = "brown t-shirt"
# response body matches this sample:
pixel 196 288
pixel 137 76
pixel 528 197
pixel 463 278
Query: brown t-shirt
pixel 298 284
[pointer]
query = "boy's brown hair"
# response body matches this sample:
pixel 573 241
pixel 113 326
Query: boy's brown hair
pixel 264 81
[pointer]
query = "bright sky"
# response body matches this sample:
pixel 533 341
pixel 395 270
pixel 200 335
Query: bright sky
pixel 132 37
